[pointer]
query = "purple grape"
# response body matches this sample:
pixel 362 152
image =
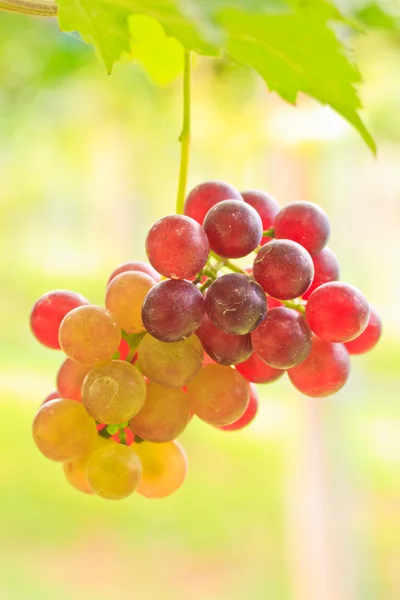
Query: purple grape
pixel 224 348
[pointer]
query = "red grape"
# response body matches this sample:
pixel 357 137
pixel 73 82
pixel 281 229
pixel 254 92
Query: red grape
pixel 249 415
pixel 224 348
pixel 70 378
pixel 305 223
pixel 283 340
pixel 257 371
pixel 206 195
pixel 266 206
pixel 135 265
pixel 337 312
pixel 273 302
pixel 233 228
pixel 325 370
pixel 173 310
pixel 49 311
pixel 236 304
pixel 177 247
pixel 326 268
pixel 284 269
pixel 370 336
pixel 51 396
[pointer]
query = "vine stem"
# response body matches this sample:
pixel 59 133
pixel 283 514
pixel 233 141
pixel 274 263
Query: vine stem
pixel 184 138
pixel 25 7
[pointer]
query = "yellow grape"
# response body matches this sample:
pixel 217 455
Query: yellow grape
pixel 164 468
pixel 62 430
pixel 114 392
pixel 125 296
pixel 89 335
pixel 218 395
pixel 114 471
pixel 172 364
pixel 165 414
pixel 75 470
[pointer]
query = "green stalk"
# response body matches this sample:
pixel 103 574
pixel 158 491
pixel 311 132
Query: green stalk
pixel 184 138
pixel 25 7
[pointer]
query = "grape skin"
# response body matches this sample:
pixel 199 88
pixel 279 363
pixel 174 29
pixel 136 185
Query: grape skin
pixel 250 414
pixel 70 378
pixel 218 395
pixel 89 335
pixel 284 269
pixel 135 265
pixel 236 304
pixel 114 392
pixel 206 195
pixel 326 268
pixel 256 370
pixel 266 206
pixel 164 466
pixel 124 299
pixel 305 223
pixel 75 470
pixel 173 310
pixel 52 396
pixel 114 471
pixel 224 348
pixel 369 337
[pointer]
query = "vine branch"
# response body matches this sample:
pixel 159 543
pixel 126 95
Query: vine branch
pixel 184 138
pixel 25 7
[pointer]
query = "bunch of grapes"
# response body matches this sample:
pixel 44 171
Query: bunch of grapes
pixel 190 334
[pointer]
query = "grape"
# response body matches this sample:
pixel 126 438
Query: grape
pixel 171 364
pixel 136 265
pixel 62 430
pixel 75 470
pixel 273 302
pixel 164 416
pixel 70 377
pixel 283 340
pixel 337 312
pixel 113 392
pixel 177 247
pixel 236 304
pixel 114 471
pixel 249 415
pixel 255 370
pixel 224 348
pixel 49 311
pixel 234 228
pixel 173 310
pixel 205 196
pixel 326 268
pixel 370 336
pixel 266 206
pixel 304 223
pixel 89 335
pixel 124 299
pixel 164 468
pixel 218 395
pixel 51 396
pixel 325 370
pixel 284 269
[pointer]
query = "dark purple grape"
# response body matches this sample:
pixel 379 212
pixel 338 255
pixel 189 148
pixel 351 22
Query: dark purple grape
pixel 224 348
pixel 206 195
pixel 266 206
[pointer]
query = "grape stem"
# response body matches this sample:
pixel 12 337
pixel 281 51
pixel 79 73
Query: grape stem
pixel 184 138
pixel 224 262
pixel 25 7
pixel 294 305
pixel 269 233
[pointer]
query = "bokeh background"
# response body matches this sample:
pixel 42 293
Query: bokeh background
pixel 305 503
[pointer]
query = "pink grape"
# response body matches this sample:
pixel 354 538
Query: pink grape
pixel 249 415
pixel 370 336
pixel 257 371
pixel 206 195
pixel 135 265
pixel 70 378
pixel 326 268
pixel 224 348
pixel 305 223
pixel 266 206
pixel 51 396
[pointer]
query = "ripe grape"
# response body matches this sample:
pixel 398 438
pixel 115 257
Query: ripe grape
pixel 218 395
pixel 135 265
pixel 124 299
pixel 305 223
pixel 62 430
pixel 337 312
pixel 164 468
pixel 164 415
pixel 224 348
pixel 49 311
pixel 234 228
pixel 236 304
pixel 283 340
pixel 75 470
pixel 284 269
pixel 173 310
pixel 89 335
pixel 114 471
pixel 266 206
pixel 326 268
pixel 70 377
pixel 177 247
pixel 171 364
pixel 370 336
pixel 113 392
pixel 51 396
pixel 257 371
pixel 325 370
pixel 249 414
pixel 206 195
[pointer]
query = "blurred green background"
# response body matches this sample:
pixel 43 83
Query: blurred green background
pixel 305 503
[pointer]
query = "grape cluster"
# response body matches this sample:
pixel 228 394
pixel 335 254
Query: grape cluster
pixel 190 334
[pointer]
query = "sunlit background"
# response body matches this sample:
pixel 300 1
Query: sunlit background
pixel 305 503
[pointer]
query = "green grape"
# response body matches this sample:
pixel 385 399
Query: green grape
pixel 89 335
pixel 75 470
pixel 113 392
pixel 164 415
pixel 114 471
pixel 218 395
pixel 125 296
pixel 172 364
pixel 164 468
pixel 62 430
